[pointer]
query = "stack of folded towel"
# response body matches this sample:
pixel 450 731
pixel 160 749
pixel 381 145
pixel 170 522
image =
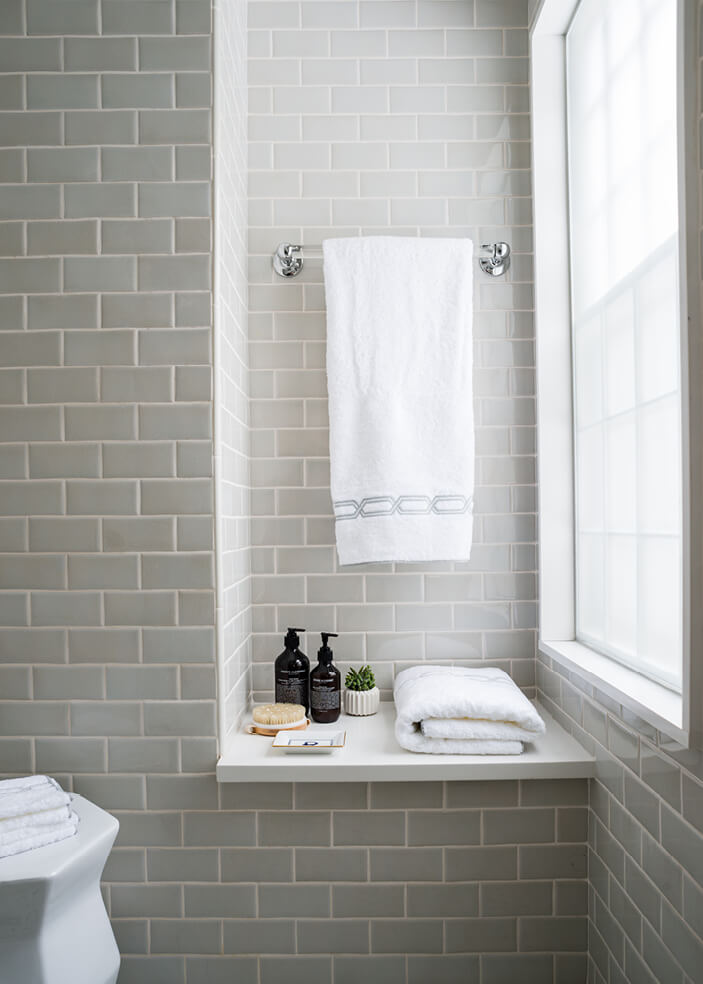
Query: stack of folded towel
pixel 450 710
pixel 34 812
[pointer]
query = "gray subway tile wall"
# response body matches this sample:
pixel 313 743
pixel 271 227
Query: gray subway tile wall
pixel 645 839
pixel 408 118
pixel 109 476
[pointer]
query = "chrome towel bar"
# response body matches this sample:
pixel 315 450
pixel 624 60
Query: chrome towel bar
pixel 288 258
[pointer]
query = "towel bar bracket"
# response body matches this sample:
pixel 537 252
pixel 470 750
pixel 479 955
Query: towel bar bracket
pixel 288 259
pixel 498 262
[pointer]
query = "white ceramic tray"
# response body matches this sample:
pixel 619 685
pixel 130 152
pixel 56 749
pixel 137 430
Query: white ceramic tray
pixel 310 742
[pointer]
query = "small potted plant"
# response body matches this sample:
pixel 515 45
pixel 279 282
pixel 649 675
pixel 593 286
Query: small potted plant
pixel 361 696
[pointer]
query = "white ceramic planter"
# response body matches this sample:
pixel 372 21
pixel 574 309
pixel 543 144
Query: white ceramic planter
pixel 362 702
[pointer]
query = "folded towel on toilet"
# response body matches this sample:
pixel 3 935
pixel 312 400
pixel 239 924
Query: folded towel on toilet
pixel 40 837
pixel 46 818
pixel 26 782
pixel 34 812
pixel 17 802
pixel 451 710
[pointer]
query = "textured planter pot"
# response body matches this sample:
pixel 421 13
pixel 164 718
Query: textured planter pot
pixel 362 702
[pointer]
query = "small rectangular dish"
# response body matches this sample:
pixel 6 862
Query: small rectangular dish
pixel 310 742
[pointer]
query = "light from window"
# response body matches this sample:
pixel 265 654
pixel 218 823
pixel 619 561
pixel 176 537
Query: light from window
pixel 623 190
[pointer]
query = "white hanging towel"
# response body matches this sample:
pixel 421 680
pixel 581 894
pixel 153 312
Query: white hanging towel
pixel 399 359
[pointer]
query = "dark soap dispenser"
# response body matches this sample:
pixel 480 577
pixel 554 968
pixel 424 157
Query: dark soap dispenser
pixel 292 673
pixel 325 685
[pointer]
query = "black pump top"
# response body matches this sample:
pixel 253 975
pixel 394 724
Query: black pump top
pixel 324 653
pixel 292 640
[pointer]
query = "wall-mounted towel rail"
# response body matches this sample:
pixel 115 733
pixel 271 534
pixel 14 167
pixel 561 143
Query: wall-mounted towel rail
pixel 288 258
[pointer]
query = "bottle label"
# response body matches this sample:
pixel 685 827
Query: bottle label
pixel 325 700
pixel 291 689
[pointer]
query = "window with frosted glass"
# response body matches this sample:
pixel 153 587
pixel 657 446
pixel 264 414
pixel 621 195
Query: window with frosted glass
pixel 623 190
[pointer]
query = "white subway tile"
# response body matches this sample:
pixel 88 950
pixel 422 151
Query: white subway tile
pixel 329 71
pixel 388 128
pixel 416 211
pixel 360 99
pixel 417 99
pixel 446 127
pixel 274 71
pixel 329 13
pixel 388 71
pixel 388 184
pixel 301 99
pixel 321 128
pixel 360 212
pixel 449 14
pixel 469 43
pixel 282 13
pixel 301 44
pixel 359 156
pixel 417 156
pixel 502 13
pixel 388 13
pixel 475 155
pixel 417 42
pixel 446 70
pixel 507 70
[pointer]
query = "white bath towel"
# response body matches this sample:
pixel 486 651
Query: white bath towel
pixel 473 730
pixel 24 802
pixel 34 837
pixel 26 782
pixel 34 812
pixel 44 819
pixel 486 711
pixel 399 357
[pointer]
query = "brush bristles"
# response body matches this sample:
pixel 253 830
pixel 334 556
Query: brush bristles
pixel 271 714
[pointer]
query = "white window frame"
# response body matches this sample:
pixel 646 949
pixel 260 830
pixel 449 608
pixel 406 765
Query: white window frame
pixel 678 716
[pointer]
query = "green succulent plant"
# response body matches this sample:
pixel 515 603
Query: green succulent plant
pixel 361 679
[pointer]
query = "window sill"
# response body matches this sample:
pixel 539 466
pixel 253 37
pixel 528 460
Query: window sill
pixel 649 700
pixel 372 754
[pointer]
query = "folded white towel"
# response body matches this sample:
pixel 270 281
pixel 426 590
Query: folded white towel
pixel 34 837
pixel 473 730
pixel 47 818
pixel 484 706
pixel 26 782
pixel 34 812
pixel 455 746
pixel 23 802
pixel 399 357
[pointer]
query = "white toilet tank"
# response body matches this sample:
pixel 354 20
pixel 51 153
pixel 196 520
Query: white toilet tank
pixel 53 925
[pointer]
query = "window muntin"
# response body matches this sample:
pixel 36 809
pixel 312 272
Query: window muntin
pixel 623 203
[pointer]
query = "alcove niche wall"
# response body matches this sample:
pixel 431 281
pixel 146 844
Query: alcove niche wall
pixel 231 363
pixel 408 118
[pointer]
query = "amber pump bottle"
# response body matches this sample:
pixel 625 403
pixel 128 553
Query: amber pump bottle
pixel 292 673
pixel 325 685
